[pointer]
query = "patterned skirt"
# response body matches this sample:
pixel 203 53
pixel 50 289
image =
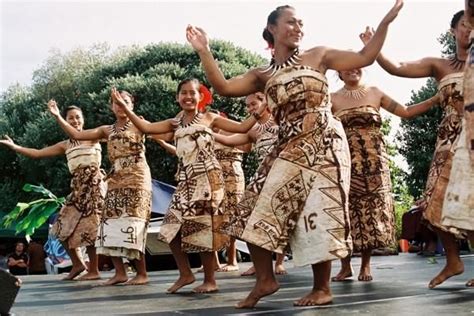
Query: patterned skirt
pixel 79 218
pixel 298 198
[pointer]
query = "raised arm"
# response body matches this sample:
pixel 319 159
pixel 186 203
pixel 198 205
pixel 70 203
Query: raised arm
pixel 242 85
pixel 89 134
pixel 345 60
pixel 143 125
pixel 233 140
pixel 50 151
pixel 408 111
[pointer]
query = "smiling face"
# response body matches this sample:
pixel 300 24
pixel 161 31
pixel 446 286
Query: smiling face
pixel 75 118
pixel 351 77
pixel 288 29
pixel 189 96
pixel 117 109
pixel 461 33
pixel 253 102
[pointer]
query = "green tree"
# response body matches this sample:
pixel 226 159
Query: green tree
pixel 417 137
pixel 83 77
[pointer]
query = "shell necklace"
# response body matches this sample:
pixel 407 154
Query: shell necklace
pixel 357 94
pixel 293 60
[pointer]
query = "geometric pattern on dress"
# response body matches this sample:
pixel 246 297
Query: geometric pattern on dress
pixel 371 207
pixel 452 102
pixel 190 227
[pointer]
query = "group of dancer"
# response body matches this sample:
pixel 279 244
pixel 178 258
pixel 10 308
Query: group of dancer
pixel 322 188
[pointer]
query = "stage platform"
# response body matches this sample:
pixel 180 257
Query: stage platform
pixel 399 288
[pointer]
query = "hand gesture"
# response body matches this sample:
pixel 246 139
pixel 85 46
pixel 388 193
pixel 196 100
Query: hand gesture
pixel 197 38
pixel 392 14
pixel 117 98
pixel 53 108
pixel 7 141
pixel 367 35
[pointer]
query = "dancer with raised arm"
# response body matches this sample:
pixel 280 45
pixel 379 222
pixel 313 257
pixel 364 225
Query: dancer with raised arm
pixel 300 193
pixel 78 220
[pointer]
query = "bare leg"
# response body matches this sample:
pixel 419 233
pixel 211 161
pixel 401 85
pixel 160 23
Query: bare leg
pixel 266 283
pixel 470 283
pixel 454 265
pixel 232 264
pixel 346 270
pixel 215 263
pixel 93 269
pixel 78 264
pixel 142 277
pixel 120 275
pixel 364 274
pixel 279 267
pixel 186 276
pixel 321 292
pixel 208 262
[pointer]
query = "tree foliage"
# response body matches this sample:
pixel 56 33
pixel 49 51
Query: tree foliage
pixel 83 77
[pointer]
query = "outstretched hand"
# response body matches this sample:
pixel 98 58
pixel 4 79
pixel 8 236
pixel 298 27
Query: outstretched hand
pixel 367 35
pixel 392 14
pixel 7 141
pixel 117 98
pixel 53 108
pixel 197 37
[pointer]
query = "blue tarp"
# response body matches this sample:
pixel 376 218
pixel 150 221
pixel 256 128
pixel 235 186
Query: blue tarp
pixel 161 196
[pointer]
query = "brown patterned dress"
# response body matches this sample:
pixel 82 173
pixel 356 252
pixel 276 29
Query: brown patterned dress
pixel 371 206
pixel 267 138
pixel 124 224
pixel 452 103
pixel 230 160
pixel 197 207
pixel 299 196
pixel 458 207
pixel 79 218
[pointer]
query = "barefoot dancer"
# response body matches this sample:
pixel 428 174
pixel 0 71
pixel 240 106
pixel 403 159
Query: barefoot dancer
pixel 79 218
pixel 371 208
pixel 299 196
pixel 196 210
pixel 122 231
pixel 448 73
pixel 265 135
pixel 458 207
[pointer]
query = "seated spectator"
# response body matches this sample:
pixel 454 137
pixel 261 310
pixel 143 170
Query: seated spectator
pixel 36 255
pixel 18 261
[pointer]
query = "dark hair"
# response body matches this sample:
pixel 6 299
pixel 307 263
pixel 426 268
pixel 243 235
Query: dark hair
pixel 70 108
pixel 456 18
pixel 128 94
pixel 193 80
pixel 272 20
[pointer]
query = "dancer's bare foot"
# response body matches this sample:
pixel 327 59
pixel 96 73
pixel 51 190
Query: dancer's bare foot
pixel 446 273
pixel 280 269
pixel 229 268
pixel 344 274
pixel 89 276
pixel 364 274
pixel 470 283
pixel 206 287
pixel 260 290
pixel 249 272
pixel 182 281
pixel 138 280
pixel 75 271
pixel 315 297
pixel 114 280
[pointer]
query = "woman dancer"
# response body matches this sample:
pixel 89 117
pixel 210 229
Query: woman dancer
pixel 122 231
pixel 264 135
pixel 197 209
pixel 299 196
pixel 448 73
pixel 458 207
pixel 78 220
pixel 371 208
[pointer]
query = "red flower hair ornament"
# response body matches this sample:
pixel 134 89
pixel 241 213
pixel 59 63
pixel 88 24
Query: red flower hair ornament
pixel 206 98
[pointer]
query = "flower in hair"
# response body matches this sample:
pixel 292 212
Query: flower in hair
pixel 206 98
